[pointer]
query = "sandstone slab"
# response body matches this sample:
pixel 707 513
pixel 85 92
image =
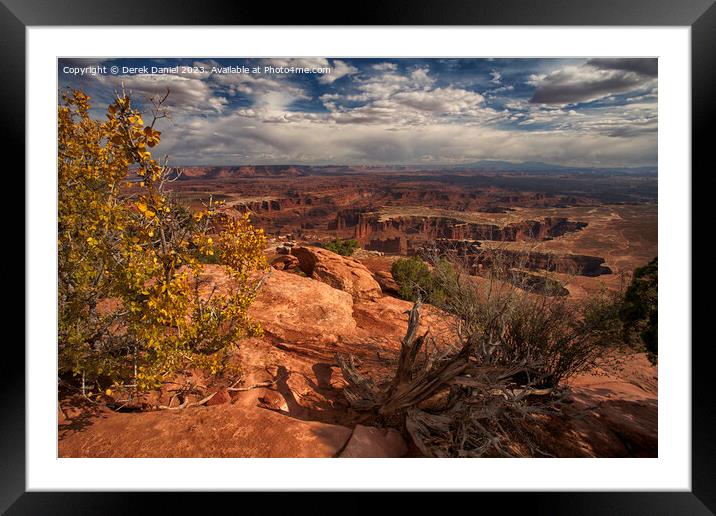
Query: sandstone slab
pixel 369 441
pixel 221 397
pixel 290 306
pixel 218 431
pixel 344 273
pixel 387 282
pixel 285 262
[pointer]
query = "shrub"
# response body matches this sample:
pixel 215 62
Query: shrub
pixel 486 390
pixel 413 278
pixel 640 310
pixel 342 247
pixel 417 281
pixel 128 265
pixel 558 336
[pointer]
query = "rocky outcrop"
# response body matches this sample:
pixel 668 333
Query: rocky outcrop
pixel 478 257
pixel 614 411
pixel 285 262
pixel 228 430
pixel 208 173
pixel 535 283
pixel 290 306
pixel 577 264
pixel 372 442
pixel 396 245
pixel 371 228
pixel 387 282
pixel 343 273
pixel 346 218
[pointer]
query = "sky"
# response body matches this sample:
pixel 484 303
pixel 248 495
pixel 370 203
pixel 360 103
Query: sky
pixel 597 112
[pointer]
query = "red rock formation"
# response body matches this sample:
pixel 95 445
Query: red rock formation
pixel 241 171
pixel 228 430
pixel 370 226
pixel 566 263
pixel 292 307
pixel 285 262
pixel 387 282
pixel 397 245
pixel 478 256
pixel 340 272
pixel 221 397
pixel 369 441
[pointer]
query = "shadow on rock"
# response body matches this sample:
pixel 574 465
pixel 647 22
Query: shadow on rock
pixel 322 403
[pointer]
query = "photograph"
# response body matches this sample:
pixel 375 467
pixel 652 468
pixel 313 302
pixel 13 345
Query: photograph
pixel 357 257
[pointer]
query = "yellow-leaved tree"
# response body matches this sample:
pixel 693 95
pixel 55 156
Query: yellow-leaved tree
pixel 130 309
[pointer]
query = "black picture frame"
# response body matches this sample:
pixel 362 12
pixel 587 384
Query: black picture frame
pixel 700 15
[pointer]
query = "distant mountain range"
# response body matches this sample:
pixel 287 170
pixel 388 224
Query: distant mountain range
pixel 495 166
pixel 539 166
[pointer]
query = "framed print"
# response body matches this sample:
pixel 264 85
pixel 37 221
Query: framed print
pixel 270 253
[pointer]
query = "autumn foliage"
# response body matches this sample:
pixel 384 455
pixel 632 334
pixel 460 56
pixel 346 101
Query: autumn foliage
pixel 130 309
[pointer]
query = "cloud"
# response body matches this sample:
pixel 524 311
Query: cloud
pixel 385 67
pixel 430 112
pixel 404 99
pixel 421 78
pixel 229 139
pixel 596 79
pixel 644 66
pixel 340 69
pixel 441 101
pixel 185 93
pixel 624 120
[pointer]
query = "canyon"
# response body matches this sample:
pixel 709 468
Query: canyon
pixel 587 230
pixel 575 233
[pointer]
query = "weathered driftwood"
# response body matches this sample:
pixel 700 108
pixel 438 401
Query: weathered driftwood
pixel 485 406
pixel 361 392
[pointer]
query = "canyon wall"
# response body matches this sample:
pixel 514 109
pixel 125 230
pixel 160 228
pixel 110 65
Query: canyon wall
pixel 479 258
pixel 432 228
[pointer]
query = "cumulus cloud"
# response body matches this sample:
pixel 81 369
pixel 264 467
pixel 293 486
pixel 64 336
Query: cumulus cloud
pixel 226 140
pixel 340 69
pixel 596 79
pixel 625 120
pixel 430 112
pixel 441 101
pixel 644 66
pixel 404 99
pixel 385 67
pixel 185 93
pixel 421 78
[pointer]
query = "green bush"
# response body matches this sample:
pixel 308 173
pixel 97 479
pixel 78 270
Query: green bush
pixel 416 281
pixel 413 278
pixel 639 311
pixel 342 247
